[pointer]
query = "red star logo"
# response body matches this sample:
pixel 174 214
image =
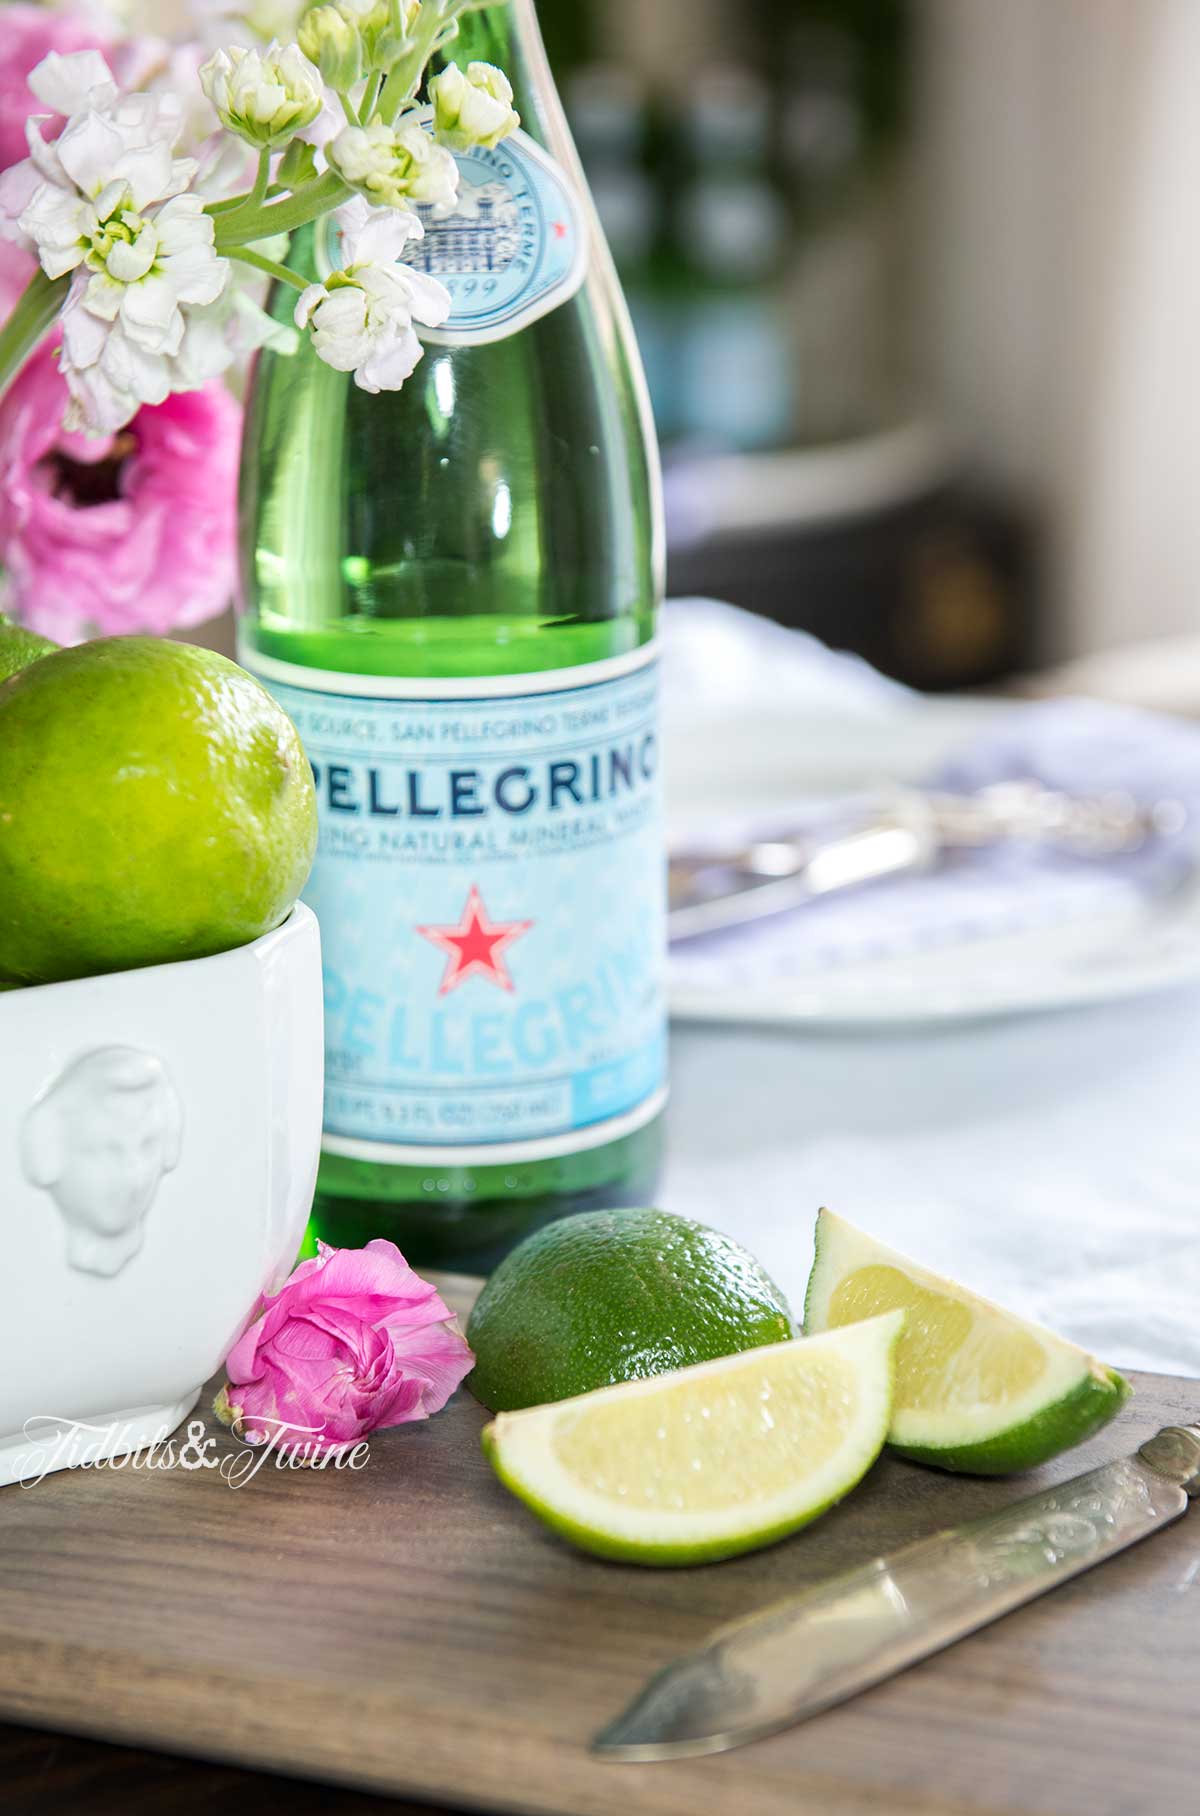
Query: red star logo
pixel 475 945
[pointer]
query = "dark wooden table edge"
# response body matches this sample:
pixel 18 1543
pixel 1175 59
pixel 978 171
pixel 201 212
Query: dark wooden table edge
pixel 121 1725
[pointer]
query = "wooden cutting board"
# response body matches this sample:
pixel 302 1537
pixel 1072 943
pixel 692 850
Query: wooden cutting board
pixel 410 1628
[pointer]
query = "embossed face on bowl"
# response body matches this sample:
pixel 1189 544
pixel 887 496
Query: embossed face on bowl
pixel 99 1140
pixel 159 1136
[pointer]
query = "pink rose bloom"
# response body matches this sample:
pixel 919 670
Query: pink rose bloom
pixel 105 534
pixel 354 1341
pixel 27 34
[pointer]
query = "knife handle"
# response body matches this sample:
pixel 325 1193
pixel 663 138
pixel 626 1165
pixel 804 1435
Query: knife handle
pixel 942 1586
pixel 1174 1452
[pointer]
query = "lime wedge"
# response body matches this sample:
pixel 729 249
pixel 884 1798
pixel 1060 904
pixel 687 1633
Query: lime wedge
pixel 978 1389
pixel 706 1461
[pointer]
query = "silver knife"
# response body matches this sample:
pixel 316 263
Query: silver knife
pixel 819 1647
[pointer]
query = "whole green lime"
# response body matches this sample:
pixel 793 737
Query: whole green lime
pixel 155 804
pixel 19 647
pixel 613 1295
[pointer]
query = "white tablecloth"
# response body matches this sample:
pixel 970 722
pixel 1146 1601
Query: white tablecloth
pixel 1052 1161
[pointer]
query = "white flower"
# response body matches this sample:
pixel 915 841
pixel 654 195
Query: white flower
pixel 166 260
pixel 220 333
pixel 115 234
pixel 393 166
pixel 330 41
pixel 146 65
pixel 472 109
pixel 108 136
pixel 68 84
pixel 115 152
pixel 110 376
pixel 107 201
pixel 383 28
pixel 265 96
pixel 112 203
pixel 328 123
pixel 128 338
pixel 362 317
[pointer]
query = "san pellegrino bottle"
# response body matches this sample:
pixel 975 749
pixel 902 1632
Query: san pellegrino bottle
pixel 453 591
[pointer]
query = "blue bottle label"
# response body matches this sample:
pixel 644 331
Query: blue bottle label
pixel 513 248
pixel 490 886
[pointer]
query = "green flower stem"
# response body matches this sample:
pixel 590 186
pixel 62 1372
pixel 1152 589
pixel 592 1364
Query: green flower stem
pixel 255 197
pixel 405 78
pixel 36 311
pixel 280 273
pixel 370 100
pixel 261 180
pixel 232 203
pixel 296 210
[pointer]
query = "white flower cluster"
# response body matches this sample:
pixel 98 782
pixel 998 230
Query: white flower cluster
pixel 332 42
pixel 473 107
pixel 362 316
pixel 394 166
pixel 264 96
pixel 106 202
pixel 350 38
pixel 152 303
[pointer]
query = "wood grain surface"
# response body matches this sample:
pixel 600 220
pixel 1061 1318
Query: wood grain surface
pixel 410 1629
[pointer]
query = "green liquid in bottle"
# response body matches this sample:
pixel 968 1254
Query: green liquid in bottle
pixel 497 517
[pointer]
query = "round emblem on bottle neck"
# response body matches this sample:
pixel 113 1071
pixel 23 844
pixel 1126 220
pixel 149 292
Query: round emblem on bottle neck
pixel 512 248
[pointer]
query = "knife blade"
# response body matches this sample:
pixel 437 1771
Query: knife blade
pixel 815 1649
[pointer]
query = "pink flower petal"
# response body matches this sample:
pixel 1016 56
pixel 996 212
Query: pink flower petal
pixel 354 1341
pixel 377 1279
pixel 442 1358
pixel 161 555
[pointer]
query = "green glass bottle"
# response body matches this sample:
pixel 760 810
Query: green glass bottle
pixel 453 590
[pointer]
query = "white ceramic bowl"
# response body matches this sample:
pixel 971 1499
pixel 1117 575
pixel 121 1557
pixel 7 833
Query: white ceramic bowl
pixel 159 1134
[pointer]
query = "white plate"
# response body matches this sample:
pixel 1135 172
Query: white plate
pixel 1126 948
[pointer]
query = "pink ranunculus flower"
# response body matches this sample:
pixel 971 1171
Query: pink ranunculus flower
pixel 106 534
pixel 27 34
pixel 352 1342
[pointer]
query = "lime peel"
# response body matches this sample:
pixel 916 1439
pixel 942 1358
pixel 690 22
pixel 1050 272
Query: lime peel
pixel 609 1296
pixel 708 1461
pixel 979 1390
pixel 155 805
pixel 19 647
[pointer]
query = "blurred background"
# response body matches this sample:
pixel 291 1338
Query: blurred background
pixel 916 295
